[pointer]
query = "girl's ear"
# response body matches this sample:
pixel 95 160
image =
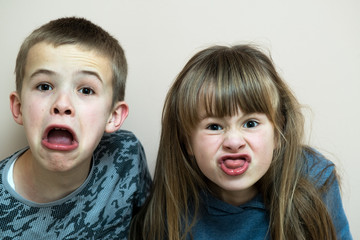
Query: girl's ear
pixel 189 148
pixel 15 106
pixel 117 117
pixel 277 138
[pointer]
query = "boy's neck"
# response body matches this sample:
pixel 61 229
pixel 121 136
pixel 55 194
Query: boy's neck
pixel 41 186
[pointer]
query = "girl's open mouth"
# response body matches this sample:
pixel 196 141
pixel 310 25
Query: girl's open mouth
pixel 234 165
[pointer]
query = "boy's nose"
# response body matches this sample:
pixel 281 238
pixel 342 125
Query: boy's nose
pixel 234 141
pixel 63 106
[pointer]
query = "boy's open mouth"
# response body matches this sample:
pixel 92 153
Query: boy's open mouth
pixel 59 138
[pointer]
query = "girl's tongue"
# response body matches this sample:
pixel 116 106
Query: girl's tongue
pixel 233 164
pixel 234 167
pixel 58 136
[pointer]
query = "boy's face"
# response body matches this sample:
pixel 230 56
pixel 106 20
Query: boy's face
pixel 66 105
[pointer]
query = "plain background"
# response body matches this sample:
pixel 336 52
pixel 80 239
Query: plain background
pixel 314 44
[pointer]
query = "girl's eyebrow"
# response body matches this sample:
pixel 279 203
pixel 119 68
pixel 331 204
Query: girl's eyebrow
pixel 204 116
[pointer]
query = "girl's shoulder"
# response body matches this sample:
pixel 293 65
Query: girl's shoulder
pixel 317 167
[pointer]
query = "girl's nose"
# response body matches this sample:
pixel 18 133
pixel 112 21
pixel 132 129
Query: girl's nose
pixel 63 105
pixel 234 140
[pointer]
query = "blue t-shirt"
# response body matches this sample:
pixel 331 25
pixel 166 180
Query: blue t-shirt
pixel 101 208
pixel 220 220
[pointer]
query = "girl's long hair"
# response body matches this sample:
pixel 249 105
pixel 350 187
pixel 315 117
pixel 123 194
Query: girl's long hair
pixel 223 79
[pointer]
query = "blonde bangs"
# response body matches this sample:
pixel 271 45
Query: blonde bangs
pixel 221 85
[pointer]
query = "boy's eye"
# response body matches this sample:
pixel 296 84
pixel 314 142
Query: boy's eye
pixel 44 87
pixel 214 127
pixel 250 124
pixel 86 91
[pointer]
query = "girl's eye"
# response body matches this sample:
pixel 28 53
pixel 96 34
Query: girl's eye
pixel 250 124
pixel 44 87
pixel 214 127
pixel 86 91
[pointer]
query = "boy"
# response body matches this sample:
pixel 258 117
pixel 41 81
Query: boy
pixel 70 183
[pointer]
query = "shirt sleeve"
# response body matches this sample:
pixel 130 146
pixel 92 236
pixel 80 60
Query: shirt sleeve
pixel 321 171
pixel 332 199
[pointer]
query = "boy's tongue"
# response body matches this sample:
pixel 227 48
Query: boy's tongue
pixel 233 164
pixel 57 136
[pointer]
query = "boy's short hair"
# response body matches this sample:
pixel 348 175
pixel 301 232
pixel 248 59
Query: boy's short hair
pixel 78 31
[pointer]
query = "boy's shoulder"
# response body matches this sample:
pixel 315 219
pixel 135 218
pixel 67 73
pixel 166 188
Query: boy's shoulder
pixel 120 135
pixel 3 162
pixel 119 145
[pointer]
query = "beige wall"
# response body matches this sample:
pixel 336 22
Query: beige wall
pixel 315 44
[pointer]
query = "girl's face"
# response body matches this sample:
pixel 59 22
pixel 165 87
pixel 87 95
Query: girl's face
pixel 234 152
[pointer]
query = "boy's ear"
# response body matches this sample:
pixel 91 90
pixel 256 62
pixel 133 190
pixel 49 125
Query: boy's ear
pixel 15 106
pixel 117 117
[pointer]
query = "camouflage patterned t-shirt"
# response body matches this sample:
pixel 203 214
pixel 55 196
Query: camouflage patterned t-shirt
pixel 101 208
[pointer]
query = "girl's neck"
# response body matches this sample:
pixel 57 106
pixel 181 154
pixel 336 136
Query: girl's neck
pixel 237 198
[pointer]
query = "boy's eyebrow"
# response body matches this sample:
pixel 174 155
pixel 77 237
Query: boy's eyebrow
pixel 49 72
pixel 93 73
pixel 42 71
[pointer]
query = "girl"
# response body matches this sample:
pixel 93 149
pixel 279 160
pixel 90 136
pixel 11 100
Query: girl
pixel 231 163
